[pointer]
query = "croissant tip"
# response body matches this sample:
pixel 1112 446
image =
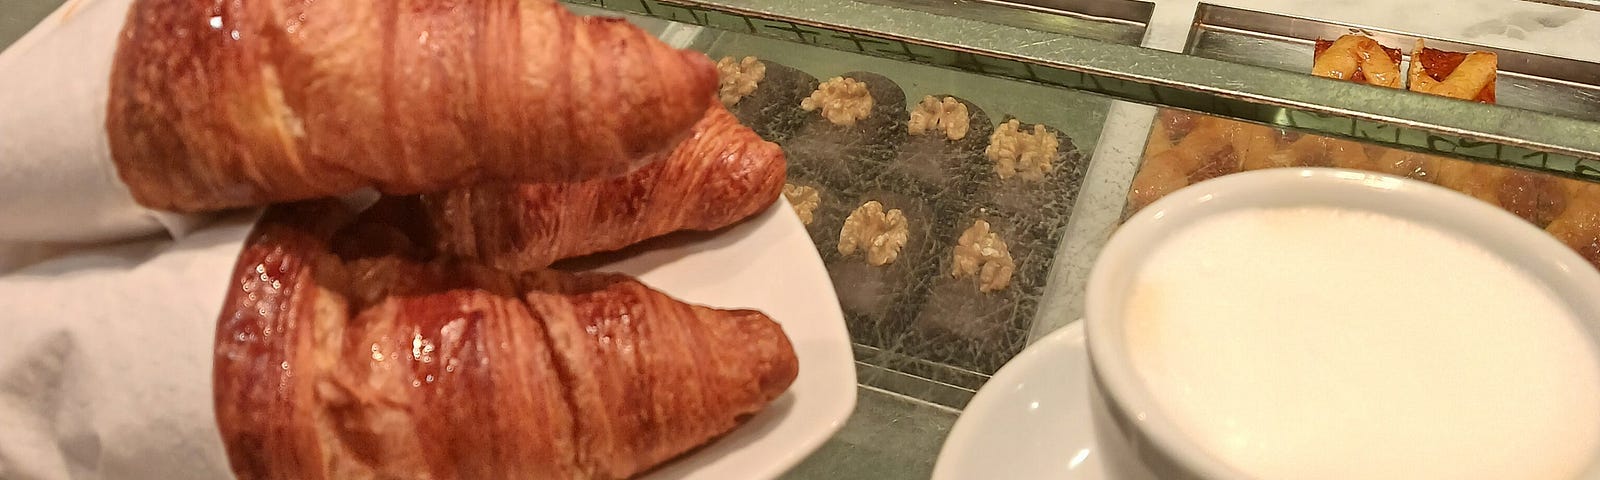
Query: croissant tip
pixel 779 366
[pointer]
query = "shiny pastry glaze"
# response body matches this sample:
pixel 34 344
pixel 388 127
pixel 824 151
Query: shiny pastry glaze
pixel 1440 65
pixel 229 104
pixel 1362 54
pixel 371 363
pixel 724 170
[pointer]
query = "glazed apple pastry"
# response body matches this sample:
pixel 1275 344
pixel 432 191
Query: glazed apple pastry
pixel 1467 76
pixel 1357 58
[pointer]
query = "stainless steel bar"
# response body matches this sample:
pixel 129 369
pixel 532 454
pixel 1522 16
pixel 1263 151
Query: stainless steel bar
pixel 1121 11
pixel 1117 21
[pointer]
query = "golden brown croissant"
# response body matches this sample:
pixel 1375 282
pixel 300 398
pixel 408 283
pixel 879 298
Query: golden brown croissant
pixel 226 104
pixel 722 174
pixel 347 367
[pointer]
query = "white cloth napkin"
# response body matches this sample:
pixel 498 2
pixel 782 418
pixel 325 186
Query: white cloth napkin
pixel 106 369
pixel 57 182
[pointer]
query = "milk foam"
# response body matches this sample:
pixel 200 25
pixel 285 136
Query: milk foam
pixel 1313 343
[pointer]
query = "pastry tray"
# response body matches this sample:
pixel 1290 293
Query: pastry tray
pixel 1559 86
pixel 919 343
pixel 916 335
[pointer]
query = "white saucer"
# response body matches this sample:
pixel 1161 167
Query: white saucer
pixel 1031 420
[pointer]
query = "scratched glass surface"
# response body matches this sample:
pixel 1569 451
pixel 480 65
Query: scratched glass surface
pixel 913 315
pixel 914 308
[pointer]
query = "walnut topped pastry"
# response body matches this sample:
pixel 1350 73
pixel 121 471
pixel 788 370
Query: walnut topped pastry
pixel 877 233
pixel 1026 177
pixel 944 146
pixel 736 79
pixel 980 252
pixel 1028 154
pixel 843 101
pixel 993 266
pixel 886 253
pixel 804 199
pixel 946 117
pixel 854 124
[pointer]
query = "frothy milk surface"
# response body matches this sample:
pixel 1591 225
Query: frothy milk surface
pixel 1313 343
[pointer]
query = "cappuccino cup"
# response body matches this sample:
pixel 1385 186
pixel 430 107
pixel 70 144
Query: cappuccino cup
pixel 1335 324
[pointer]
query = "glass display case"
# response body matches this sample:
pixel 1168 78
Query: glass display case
pixel 1127 124
pixel 1005 140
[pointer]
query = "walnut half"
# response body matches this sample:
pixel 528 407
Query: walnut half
pixel 981 252
pixel 879 234
pixel 738 78
pixel 804 199
pixel 1015 152
pixel 947 115
pixel 843 101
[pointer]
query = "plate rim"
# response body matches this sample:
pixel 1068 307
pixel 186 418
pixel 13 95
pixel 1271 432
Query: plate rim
pixel 830 408
pixel 963 433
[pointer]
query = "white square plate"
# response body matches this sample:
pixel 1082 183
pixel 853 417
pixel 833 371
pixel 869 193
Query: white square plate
pixel 116 342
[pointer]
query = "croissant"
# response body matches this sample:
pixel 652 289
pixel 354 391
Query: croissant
pixel 722 174
pixel 342 366
pixel 227 104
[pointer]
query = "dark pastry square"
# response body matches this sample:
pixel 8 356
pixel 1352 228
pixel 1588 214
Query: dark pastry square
pixel 872 295
pixel 1043 204
pixel 842 156
pixel 960 325
pixel 827 217
pixel 772 109
pixel 933 161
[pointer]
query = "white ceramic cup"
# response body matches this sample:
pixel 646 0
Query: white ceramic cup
pixel 1135 439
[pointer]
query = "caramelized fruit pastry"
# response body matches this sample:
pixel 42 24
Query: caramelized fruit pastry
pixel 1467 76
pixel 1184 148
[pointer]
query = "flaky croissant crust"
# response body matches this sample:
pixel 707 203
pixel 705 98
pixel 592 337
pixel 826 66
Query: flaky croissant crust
pixel 355 359
pixel 721 174
pixel 227 104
